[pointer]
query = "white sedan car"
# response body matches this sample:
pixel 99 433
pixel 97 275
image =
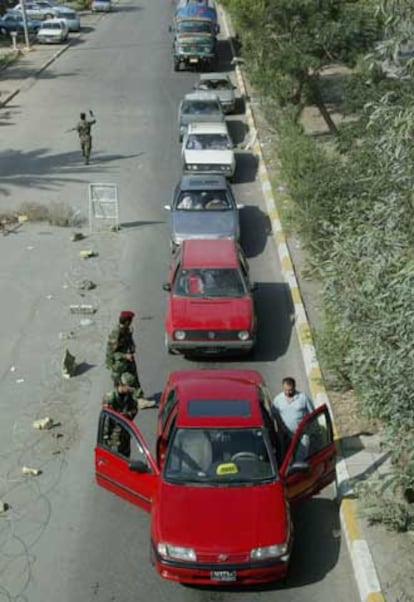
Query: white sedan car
pixel 208 148
pixel 53 31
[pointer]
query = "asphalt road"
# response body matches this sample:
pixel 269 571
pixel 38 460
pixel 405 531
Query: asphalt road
pixel 63 538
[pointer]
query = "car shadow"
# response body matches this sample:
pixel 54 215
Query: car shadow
pixel 237 130
pixel 255 228
pixel 224 60
pixel 246 168
pixel 274 310
pixel 131 8
pixel 86 29
pixel 316 520
pixel 240 108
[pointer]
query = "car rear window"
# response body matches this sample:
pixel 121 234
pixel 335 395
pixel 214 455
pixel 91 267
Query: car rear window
pixel 211 408
pixel 200 107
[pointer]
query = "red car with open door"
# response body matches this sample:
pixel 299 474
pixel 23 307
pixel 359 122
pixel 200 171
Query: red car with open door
pixel 219 486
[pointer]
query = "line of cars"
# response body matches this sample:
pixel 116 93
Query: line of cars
pixel 220 485
pixel 47 21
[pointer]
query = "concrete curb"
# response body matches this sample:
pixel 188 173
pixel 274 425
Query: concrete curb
pixel 364 569
pixel 45 65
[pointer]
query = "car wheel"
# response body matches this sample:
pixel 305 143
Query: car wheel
pixel 176 65
pixel 167 345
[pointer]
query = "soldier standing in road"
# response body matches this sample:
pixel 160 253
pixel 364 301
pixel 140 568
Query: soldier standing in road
pixel 120 349
pixel 84 130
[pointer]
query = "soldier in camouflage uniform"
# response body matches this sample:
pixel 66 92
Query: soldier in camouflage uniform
pixel 84 130
pixel 120 349
pixel 122 399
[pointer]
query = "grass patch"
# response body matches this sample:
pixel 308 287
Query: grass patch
pixel 56 214
pixel 9 58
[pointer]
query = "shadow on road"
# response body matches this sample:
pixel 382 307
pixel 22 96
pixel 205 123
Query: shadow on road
pixel 238 130
pixel 255 228
pixel 42 169
pixel 224 57
pixel 246 167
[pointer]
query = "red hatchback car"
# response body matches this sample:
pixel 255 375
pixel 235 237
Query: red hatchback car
pixel 219 486
pixel 210 308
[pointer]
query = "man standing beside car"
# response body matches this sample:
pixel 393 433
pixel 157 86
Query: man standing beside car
pixel 291 406
pixel 85 137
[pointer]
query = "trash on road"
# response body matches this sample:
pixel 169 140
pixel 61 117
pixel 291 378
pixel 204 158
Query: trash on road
pixel 82 309
pixel 86 322
pixel 31 472
pixel 66 335
pixel 86 285
pixel 20 380
pixel 3 507
pixel 86 253
pixel 43 423
pixel 77 236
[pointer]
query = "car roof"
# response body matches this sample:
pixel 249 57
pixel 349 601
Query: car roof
pixel 212 127
pixel 201 95
pixel 226 398
pixel 210 253
pixel 197 182
pixel 208 76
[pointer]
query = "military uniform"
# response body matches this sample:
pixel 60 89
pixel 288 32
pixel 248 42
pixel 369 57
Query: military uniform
pixel 116 437
pixel 84 130
pixel 121 343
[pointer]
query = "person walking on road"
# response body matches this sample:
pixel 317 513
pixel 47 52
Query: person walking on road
pixel 84 128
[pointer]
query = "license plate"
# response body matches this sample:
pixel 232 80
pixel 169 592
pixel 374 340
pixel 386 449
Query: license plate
pixel 193 60
pixel 223 575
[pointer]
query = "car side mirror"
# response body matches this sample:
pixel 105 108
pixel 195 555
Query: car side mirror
pixel 166 287
pixel 138 466
pixel 240 206
pixel 167 207
pixel 298 467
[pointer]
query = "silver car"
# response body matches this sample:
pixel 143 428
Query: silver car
pixel 203 207
pixel 69 16
pixel 221 85
pixel 198 107
pixel 101 6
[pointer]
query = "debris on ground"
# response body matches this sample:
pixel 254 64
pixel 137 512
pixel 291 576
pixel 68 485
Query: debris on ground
pixel 43 423
pixel 77 236
pixel 68 365
pixel 66 335
pixel 86 253
pixel 143 404
pixel 82 309
pixel 3 507
pixel 31 472
pixel 86 285
pixel 86 322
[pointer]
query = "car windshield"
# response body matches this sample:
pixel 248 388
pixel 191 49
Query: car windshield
pixel 196 200
pixel 208 142
pixel 200 107
pixel 219 456
pixel 209 282
pixel 193 27
pixel 51 26
pixel 215 84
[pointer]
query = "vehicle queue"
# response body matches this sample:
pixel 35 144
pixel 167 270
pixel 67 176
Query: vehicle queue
pixel 226 469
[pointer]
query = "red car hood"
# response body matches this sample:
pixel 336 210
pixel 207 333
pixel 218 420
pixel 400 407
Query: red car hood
pixel 220 519
pixel 223 313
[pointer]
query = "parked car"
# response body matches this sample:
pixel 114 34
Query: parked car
pixel 210 305
pixel 101 6
pixel 198 107
pixel 14 22
pixel 69 16
pixel 221 85
pixel 220 485
pixel 42 9
pixel 207 148
pixel 53 31
pixel 203 207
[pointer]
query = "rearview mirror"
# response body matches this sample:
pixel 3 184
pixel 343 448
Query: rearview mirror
pixel 166 287
pixel 138 466
pixel 167 207
pixel 240 206
pixel 298 467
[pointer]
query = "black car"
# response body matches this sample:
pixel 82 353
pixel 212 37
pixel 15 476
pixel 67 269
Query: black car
pixel 203 207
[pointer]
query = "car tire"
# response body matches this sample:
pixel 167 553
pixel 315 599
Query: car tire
pixel 176 66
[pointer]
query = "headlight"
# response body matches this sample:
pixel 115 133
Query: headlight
pixel 191 167
pixel 243 335
pixel 168 551
pixel 269 552
pixel 179 335
pixel 225 167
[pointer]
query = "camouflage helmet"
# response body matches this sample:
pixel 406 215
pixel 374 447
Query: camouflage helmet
pixel 127 379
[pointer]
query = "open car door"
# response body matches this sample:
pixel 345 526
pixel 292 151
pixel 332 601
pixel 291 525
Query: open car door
pixel 309 463
pixel 123 462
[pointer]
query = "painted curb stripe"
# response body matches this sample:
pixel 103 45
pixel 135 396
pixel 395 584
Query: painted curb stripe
pixel 361 558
